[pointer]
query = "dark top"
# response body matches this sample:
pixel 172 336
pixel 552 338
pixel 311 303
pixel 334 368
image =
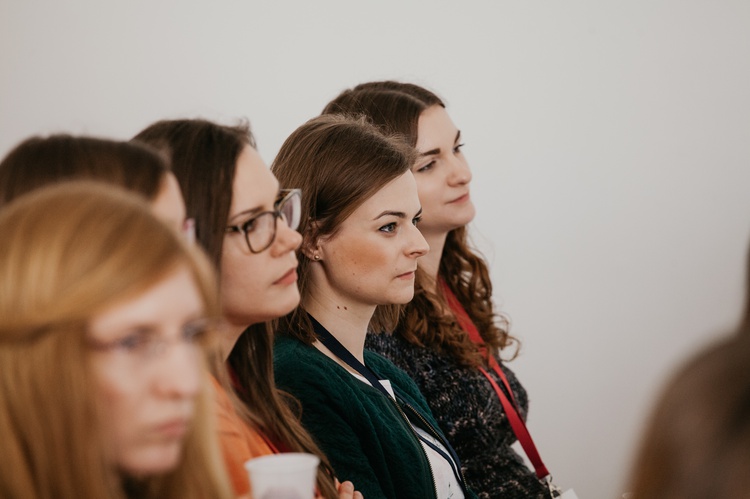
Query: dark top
pixel 469 412
pixel 360 430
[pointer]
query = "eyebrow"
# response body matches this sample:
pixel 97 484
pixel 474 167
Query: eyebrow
pixel 398 214
pixel 432 152
pixel 257 209
pixel 243 214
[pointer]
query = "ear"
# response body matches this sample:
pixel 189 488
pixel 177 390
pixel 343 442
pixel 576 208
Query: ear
pixel 311 246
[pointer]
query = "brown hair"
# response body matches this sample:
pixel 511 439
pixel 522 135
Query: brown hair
pixel 396 107
pixel 339 162
pixel 697 440
pixel 745 324
pixel 204 159
pixel 67 253
pixel 39 161
pixel 203 156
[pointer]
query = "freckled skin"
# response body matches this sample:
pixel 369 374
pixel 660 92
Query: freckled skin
pixel 371 258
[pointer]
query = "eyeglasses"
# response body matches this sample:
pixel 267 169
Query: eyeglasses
pixel 141 347
pixel 260 231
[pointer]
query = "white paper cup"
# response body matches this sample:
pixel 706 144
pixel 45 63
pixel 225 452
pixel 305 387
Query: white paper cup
pixel 289 475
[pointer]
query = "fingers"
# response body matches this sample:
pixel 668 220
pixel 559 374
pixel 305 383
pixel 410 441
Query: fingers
pixel 346 491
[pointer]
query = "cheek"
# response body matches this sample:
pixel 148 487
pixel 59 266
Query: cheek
pixel 120 403
pixel 429 193
pixel 361 257
pixel 241 273
pixel 248 294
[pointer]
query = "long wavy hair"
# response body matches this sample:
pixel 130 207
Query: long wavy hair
pixel 339 162
pixel 39 161
pixel 204 158
pixel 396 108
pixel 67 253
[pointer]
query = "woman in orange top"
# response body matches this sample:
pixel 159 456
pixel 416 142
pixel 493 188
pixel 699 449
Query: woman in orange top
pixel 247 225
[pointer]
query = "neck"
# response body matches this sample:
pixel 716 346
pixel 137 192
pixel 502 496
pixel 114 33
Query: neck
pixel 347 323
pixel 430 263
pixel 230 334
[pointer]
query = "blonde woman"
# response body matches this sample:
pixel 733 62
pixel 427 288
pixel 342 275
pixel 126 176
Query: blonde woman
pixel 103 321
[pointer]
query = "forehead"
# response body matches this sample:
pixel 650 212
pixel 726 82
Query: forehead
pixel 398 195
pixel 176 295
pixel 254 184
pixel 435 125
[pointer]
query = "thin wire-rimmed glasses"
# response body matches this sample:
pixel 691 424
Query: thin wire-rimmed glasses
pixel 260 231
pixel 143 347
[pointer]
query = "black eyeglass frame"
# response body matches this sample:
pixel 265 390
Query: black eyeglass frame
pixel 285 196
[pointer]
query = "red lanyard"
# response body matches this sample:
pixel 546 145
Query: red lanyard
pixel 509 406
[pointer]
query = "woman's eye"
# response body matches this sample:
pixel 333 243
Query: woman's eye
pixel 133 343
pixel 194 331
pixel 389 228
pixel 415 221
pixel 426 167
pixel 249 226
pixel 457 149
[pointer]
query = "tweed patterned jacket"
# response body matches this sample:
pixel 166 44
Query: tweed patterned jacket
pixel 467 409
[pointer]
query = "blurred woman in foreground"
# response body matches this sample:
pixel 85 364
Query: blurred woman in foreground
pixel 104 312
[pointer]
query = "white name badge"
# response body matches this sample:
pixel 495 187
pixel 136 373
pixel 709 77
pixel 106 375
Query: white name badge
pixel 569 494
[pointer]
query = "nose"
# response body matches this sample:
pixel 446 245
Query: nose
pixel 179 372
pixel 287 239
pixel 460 173
pixel 417 243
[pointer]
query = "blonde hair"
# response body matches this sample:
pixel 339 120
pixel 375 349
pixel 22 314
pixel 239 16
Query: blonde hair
pixel 66 253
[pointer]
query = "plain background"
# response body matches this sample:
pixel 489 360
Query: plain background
pixel 609 141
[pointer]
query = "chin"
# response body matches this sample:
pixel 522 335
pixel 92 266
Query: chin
pixel 402 298
pixel 459 218
pixel 154 461
pixel 287 303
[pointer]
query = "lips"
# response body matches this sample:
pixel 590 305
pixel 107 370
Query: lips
pixel 173 429
pixel 288 278
pixel 407 275
pixel 460 199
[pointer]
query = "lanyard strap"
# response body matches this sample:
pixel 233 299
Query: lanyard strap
pixel 510 406
pixel 346 356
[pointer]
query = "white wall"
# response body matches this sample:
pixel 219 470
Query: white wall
pixel 610 143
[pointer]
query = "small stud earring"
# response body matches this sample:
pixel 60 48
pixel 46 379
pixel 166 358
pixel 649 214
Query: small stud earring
pixel 316 257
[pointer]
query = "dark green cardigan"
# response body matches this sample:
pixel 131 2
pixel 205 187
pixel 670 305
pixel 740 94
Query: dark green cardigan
pixel 357 427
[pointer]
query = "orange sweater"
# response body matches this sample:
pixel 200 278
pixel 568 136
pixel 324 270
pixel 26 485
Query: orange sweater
pixel 239 442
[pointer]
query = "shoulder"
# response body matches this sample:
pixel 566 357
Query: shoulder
pixel 388 345
pixel 293 359
pixel 383 366
pixel 284 345
pixel 400 380
pixel 311 376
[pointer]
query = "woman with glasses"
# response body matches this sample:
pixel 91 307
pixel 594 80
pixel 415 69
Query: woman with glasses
pixel 39 161
pixel 247 226
pixel 357 265
pixel 450 336
pixel 104 320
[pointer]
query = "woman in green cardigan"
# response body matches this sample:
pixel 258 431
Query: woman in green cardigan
pixel 357 264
